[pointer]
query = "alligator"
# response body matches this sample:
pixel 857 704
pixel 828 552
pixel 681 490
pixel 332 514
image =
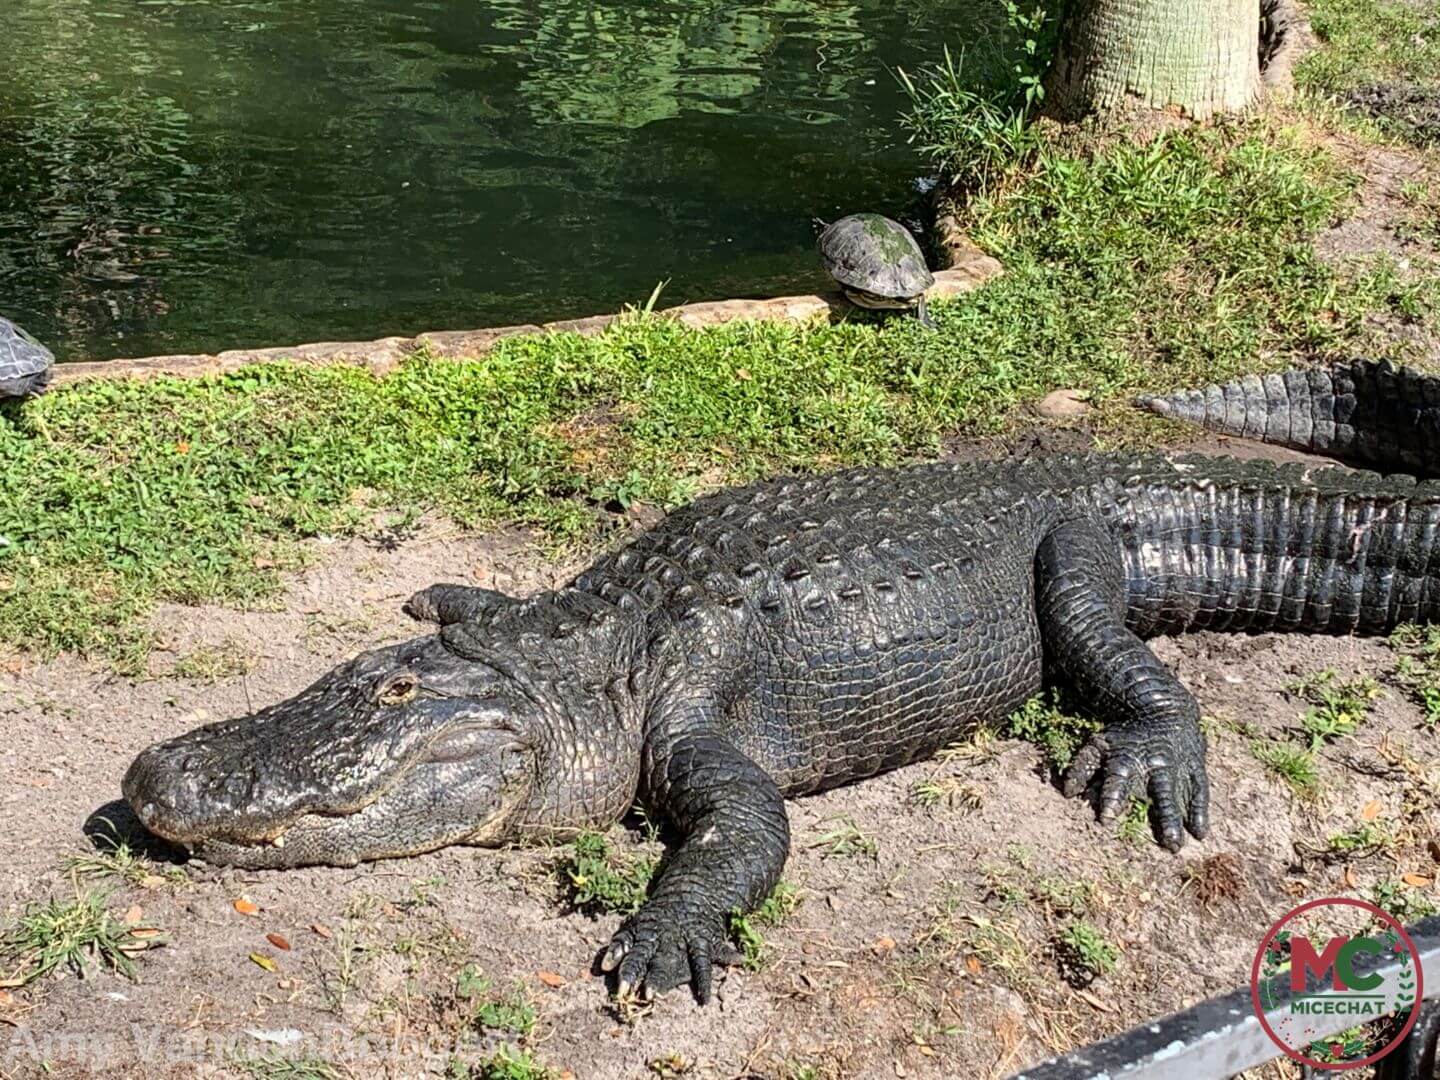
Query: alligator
pixel 804 633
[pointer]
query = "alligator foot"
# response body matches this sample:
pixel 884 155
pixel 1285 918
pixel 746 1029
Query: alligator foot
pixel 1153 743
pixel 667 944
pixel 1131 760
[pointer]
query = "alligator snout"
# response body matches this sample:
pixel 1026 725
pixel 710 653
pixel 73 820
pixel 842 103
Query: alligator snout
pixel 183 793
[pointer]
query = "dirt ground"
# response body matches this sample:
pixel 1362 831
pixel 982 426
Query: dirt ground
pixel 935 955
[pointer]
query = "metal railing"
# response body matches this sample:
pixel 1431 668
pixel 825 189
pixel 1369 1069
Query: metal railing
pixel 1223 1036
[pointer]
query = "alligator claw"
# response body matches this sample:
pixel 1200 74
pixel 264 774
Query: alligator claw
pixel 663 946
pixel 1129 763
pixel 615 953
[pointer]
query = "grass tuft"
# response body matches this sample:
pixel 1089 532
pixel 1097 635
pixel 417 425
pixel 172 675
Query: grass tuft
pixel 1292 764
pixel 77 936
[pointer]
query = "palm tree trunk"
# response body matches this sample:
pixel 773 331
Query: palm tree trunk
pixel 1200 57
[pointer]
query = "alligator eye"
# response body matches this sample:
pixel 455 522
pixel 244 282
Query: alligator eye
pixel 398 689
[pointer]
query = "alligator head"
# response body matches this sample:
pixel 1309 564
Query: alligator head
pixel 402 750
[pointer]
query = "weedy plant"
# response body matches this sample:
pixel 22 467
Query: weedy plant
pixel 598 879
pixel 775 911
pixel 490 1010
pixel 1057 733
pixel 1339 706
pixel 1084 954
pixel 507 1063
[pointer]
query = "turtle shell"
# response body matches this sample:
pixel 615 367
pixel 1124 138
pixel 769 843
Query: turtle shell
pixel 872 254
pixel 25 364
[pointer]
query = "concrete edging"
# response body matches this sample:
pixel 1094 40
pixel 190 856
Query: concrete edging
pixel 969 269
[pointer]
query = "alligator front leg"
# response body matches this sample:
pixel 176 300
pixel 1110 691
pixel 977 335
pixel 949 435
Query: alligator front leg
pixel 446 604
pixel 735 841
pixel 1152 741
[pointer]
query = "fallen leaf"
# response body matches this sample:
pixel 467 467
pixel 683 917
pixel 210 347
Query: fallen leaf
pixel 134 915
pixel 182 447
pixel 322 930
pixel 550 979
pixel 278 941
pixel 151 881
pixel 1418 881
pixel 6 999
pixel 972 965
pixel 1371 811
pixel 1348 877
pixel 264 961
pixel 884 945
pixel 145 933
pixel 247 907
pixel 743 374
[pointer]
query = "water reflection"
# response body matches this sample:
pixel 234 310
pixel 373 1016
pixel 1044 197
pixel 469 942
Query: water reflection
pixel 192 175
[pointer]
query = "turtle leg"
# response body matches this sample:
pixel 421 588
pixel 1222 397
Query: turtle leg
pixel 922 313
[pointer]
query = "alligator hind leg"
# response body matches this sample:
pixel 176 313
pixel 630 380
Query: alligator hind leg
pixel 1152 742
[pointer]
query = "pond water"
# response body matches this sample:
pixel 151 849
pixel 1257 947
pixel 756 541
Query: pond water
pixel 191 175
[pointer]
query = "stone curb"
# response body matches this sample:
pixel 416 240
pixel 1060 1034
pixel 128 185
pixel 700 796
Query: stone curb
pixel 970 270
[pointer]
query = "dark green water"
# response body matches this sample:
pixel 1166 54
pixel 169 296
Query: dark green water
pixel 190 175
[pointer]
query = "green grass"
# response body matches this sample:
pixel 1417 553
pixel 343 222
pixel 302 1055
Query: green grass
pixel 1134 827
pixel 1417 667
pixel 283 1068
pixel 1171 263
pixel 845 840
pixel 76 935
pixel 210 664
pixel 114 858
pixel 1371 41
pixel 599 879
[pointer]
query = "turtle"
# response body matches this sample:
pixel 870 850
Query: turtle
pixel 25 364
pixel 877 263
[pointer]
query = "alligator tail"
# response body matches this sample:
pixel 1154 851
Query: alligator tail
pixel 1365 411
